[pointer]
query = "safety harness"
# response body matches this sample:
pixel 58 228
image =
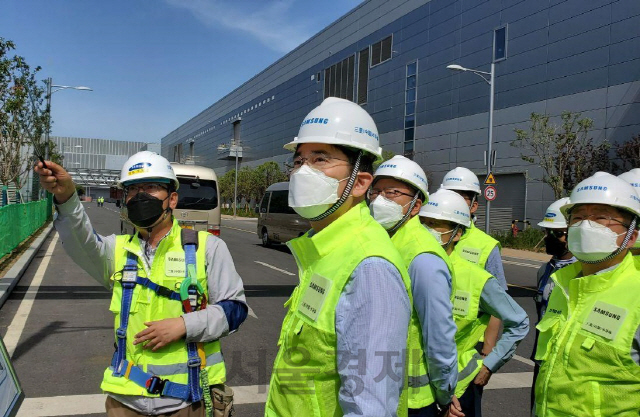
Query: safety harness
pixel 191 290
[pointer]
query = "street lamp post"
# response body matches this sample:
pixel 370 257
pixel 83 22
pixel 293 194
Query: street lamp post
pixel 50 85
pixel 491 81
pixel 236 149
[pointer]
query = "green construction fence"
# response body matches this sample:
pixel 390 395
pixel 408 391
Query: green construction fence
pixel 19 221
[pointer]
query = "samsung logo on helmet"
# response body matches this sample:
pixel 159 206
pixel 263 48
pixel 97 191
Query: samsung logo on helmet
pixel 432 203
pixel 366 132
pixel 460 213
pixel 550 215
pixel 591 188
pixel 388 166
pixel 140 165
pixel 453 179
pixel 420 178
pixel 633 197
pixel 315 120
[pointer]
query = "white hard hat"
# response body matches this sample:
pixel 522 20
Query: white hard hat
pixel 553 218
pixel 405 170
pixel 341 122
pixel 147 166
pixel 604 188
pixel 633 178
pixel 447 205
pixel 461 179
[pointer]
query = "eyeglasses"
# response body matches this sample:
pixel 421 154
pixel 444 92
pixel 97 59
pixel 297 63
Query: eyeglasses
pixel 389 193
pixel 596 220
pixel 152 188
pixel 557 233
pixel 320 161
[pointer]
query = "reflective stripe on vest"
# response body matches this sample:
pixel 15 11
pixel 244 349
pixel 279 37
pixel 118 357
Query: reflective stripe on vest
pixel 585 344
pixel 469 280
pixel 167 270
pixel 305 379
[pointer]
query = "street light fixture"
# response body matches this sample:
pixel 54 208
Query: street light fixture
pixel 50 85
pixel 235 150
pixel 489 78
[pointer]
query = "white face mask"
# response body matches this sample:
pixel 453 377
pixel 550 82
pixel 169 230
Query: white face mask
pixel 312 192
pixel 438 235
pixel 592 243
pixel 386 212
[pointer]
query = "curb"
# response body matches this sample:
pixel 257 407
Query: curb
pixel 246 219
pixel 525 254
pixel 13 275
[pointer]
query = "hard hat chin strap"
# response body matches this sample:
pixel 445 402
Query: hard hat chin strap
pixel 345 193
pixel 405 217
pixel 454 232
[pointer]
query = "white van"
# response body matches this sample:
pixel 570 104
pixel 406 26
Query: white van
pixel 277 222
pixel 198 202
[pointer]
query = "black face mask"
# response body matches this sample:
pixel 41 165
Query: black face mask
pixel 144 209
pixel 554 246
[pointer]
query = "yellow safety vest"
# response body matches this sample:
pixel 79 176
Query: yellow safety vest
pixel 411 240
pixel 468 282
pixel 305 380
pixel 585 344
pixel 168 270
pixel 476 246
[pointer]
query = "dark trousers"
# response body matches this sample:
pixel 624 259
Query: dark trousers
pixel 471 401
pixel 428 411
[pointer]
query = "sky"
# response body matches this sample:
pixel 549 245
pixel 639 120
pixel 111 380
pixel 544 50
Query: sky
pixel 153 64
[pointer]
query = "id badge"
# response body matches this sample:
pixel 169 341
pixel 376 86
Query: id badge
pixel 129 276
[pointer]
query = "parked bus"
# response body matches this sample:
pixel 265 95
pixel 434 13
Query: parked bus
pixel 199 199
pixel 277 222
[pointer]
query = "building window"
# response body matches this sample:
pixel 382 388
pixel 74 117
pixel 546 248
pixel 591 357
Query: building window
pixel 500 44
pixel 381 51
pixel 339 79
pixel 363 75
pixel 410 94
pixel 177 153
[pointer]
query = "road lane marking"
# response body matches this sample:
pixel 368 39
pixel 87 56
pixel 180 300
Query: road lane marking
pixel 73 405
pixel 521 264
pixel 19 321
pixel 510 380
pixel 251 313
pixel 524 360
pixel 241 230
pixel 275 268
pixel 522 286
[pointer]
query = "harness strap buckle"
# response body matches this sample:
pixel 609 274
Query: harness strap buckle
pixel 194 362
pixel 121 333
pixel 155 385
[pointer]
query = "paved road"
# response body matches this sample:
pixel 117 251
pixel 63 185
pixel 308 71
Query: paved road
pixel 61 327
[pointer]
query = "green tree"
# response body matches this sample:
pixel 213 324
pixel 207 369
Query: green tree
pixel 265 175
pixel 23 118
pixel 565 152
pixel 628 155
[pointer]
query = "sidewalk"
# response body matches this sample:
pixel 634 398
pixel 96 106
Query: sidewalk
pixel 249 219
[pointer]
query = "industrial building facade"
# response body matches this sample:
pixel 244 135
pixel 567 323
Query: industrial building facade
pixel 93 163
pixel 390 56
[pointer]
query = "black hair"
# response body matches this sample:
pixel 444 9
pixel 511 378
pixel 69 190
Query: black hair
pixel 366 161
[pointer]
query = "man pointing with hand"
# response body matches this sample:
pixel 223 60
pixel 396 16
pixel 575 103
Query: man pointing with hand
pixel 175 293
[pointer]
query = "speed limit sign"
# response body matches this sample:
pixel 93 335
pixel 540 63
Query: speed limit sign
pixel 490 193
